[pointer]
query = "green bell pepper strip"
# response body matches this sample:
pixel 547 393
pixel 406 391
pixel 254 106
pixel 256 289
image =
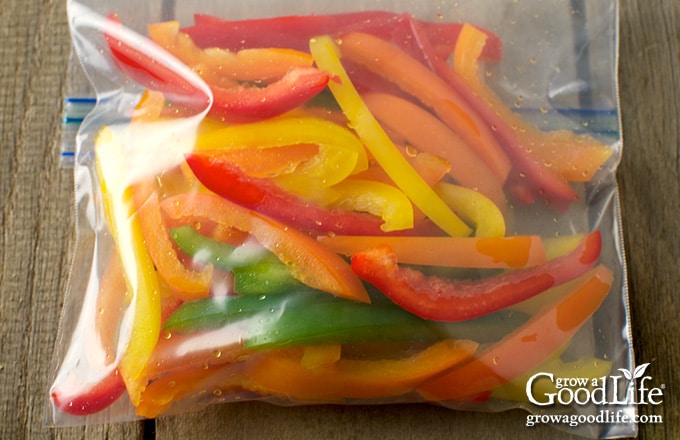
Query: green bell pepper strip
pixel 378 143
pixel 256 271
pixel 303 317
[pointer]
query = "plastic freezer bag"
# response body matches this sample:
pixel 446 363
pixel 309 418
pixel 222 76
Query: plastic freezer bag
pixel 373 202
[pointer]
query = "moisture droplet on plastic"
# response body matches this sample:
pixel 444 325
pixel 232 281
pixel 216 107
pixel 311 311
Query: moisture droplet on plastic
pixel 167 334
pixel 495 360
pixel 217 392
pixel 217 354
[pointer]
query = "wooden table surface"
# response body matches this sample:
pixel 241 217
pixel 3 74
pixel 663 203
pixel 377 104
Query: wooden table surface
pixel 38 237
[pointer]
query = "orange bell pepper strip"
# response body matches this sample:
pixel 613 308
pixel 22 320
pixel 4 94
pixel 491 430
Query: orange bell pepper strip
pixel 218 66
pixel 326 55
pixel 468 252
pixel 574 157
pixel 390 62
pixel 281 373
pixel 528 346
pixel 310 262
pixel 427 133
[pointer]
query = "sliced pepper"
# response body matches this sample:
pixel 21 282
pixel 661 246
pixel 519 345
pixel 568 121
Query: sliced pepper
pixel 282 373
pixel 325 52
pixel 475 208
pixel 75 398
pixel 528 346
pixel 448 300
pixel 308 260
pixel 216 65
pixel 482 253
pixel 296 31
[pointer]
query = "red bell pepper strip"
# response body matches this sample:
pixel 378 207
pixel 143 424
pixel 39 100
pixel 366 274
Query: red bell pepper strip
pixel 265 197
pixel 78 399
pixel 528 346
pixel 295 31
pixel 144 65
pixel 439 299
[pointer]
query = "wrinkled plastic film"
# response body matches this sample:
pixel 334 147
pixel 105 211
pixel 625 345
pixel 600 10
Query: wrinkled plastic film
pixel 199 295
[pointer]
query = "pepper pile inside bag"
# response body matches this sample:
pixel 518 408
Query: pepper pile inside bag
pixel 333 210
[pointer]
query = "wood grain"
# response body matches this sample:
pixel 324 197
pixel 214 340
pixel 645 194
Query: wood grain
pixel 37 242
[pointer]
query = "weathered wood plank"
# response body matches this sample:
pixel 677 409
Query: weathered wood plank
pixel 650 191
pixel 36 217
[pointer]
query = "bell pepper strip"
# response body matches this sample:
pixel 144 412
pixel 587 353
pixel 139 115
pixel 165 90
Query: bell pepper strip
pixel 325 53
pixel 308 260
pixel 340 152
pixel 377 198
pixel 440 299
pixel 216 65
pixel 528 346
pixel 474 208
pixel 187 384
pixel 296 31
pixel 589 367
pixel 468 252
pixel 138 267
pixel 320 356
pixel 574 157
pixel 283 373
pixel 427 133
pixel 394 65
pixel 76 398
pixel 301 317
pixel 267 198
pixel 264 278
pixel 267 162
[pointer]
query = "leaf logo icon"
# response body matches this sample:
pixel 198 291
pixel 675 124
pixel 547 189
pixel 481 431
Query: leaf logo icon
pixel 640 370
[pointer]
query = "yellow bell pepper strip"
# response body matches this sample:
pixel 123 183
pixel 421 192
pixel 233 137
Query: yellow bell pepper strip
pixel 474 208
pixel 528 346
pixel 282 373
pixel 309 261
pixel 574 157
pixel 340 151
pixel 377 198
pixel 391 63
pixel 443 299
pixel 427 133
pixel 467 252
pixel 137 264
pixel 375 139
pixel 216 65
